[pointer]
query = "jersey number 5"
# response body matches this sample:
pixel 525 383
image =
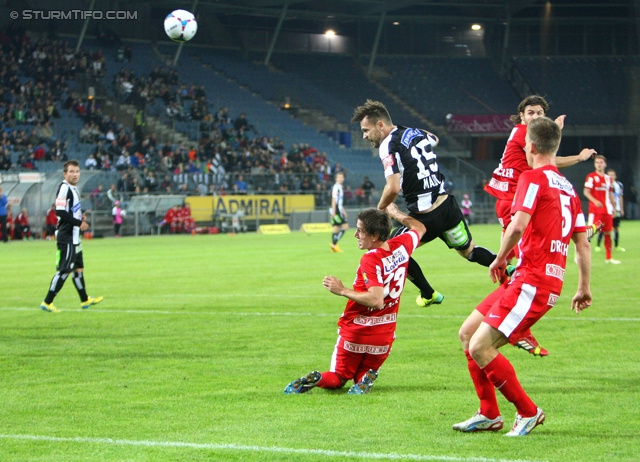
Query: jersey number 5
pixel 567 218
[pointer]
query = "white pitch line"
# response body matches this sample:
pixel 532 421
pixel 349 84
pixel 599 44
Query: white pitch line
pixel 304 314
pixel 247 448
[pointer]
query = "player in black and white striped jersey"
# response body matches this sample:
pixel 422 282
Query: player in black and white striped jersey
pixel 618 210
pixel 338 213
pixel 411 165
pixel 71 221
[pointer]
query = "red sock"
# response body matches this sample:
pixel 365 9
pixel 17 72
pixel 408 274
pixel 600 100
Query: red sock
pixel 484 389
pixel 330 380
pixel 502 375
pixel 607 246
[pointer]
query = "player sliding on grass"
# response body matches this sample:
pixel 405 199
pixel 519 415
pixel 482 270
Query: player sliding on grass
pixel 368 324
pixel 547 214
pixel 71 221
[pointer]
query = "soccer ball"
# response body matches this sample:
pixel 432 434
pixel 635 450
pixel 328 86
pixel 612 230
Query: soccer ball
pixel 180 26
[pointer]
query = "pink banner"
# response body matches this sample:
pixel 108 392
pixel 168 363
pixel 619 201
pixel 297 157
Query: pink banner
pixel 462 123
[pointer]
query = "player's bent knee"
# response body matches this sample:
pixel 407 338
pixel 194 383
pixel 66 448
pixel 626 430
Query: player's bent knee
pixel 464 335
pixel 465 253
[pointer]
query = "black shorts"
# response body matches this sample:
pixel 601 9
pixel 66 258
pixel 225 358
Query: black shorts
pixel 445 222
pixel 69 258
pixel 338 219
pixel 616 222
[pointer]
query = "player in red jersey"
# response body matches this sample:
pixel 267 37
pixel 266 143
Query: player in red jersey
pixel 513 162
pixel 598 188
pixel 188 223
pixel 368 324
pixel 22 228
pixel 547 215
pixel 51 222
pixel 172 219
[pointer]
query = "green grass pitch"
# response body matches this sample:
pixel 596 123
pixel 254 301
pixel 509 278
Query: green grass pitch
pixel 187 356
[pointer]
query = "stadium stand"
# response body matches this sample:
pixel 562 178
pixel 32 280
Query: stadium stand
pixel 427 83
pixel 590 91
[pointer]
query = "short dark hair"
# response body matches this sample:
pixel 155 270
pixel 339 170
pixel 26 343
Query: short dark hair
pixel 376 223
pixel 545 134
pixel 374 110
pixel 532 100
pixel 68 163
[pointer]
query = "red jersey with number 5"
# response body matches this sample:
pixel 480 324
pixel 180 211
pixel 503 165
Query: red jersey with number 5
pixel 556 213
pixel 382 268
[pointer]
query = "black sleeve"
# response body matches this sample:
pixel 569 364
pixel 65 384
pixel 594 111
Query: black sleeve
pixel 68 217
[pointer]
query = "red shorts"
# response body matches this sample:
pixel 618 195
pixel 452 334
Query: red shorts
pixel 516 307
pixel 605 218
pixel 486 304
pixel 352 360
pixel 503 212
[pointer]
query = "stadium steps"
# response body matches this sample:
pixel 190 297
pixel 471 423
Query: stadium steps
pixel 453 147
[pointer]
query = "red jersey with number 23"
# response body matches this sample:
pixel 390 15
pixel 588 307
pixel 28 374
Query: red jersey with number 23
pixel 382 268
pixel 556 213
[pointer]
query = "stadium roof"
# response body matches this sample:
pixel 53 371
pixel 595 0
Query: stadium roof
pixel 565 11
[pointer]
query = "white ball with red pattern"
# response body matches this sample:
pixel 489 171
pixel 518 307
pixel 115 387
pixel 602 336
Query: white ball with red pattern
pixel 180 26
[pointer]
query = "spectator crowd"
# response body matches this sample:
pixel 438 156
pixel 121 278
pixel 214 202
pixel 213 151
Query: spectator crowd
pixel 229 157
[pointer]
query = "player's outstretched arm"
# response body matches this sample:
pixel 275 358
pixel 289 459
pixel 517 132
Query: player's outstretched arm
pixel 568 161
pixel 394 212
pixel 582 298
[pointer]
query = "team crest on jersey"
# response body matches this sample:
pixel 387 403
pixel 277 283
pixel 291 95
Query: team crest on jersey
pixel 408 135
pixel 559 182
pixel 397 258
pixel 365 278
pixel 387 161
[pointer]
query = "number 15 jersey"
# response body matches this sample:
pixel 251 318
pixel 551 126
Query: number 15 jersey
pixel 382 268
pixel 409 152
